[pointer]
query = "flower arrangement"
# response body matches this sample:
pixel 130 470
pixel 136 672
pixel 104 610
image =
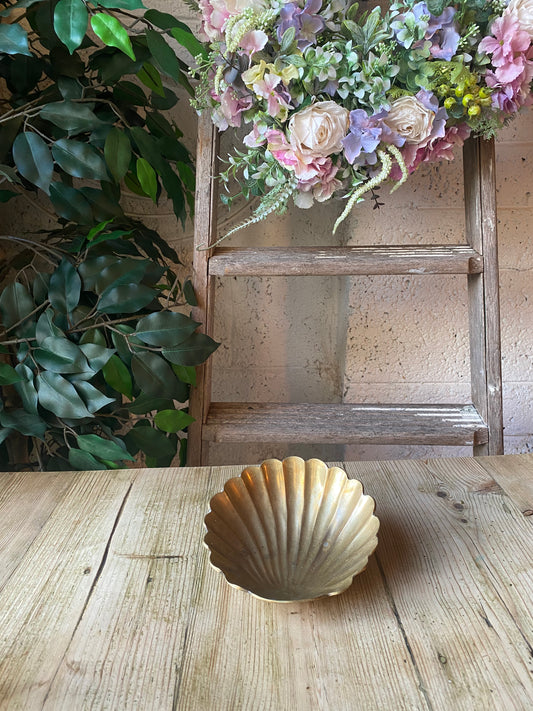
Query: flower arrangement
pixel 340 100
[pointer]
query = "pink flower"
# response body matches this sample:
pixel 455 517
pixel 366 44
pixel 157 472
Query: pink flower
pixel 231 107
pixel 277 100
pixel 507 46
pixel 321 185
pixel 509 97
pixel 439 148
pixel 254 41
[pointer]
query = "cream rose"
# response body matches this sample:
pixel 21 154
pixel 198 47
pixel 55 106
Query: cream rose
pixel 411 119
pixel 319 129
pixel 523 11
pixel 235 7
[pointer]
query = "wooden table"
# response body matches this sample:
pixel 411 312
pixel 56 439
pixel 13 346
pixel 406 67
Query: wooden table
pixel 107 599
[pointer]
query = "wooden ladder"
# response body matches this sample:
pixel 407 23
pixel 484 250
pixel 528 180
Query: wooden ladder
pixel 478 423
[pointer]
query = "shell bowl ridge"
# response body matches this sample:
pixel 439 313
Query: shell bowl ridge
pixel 291 530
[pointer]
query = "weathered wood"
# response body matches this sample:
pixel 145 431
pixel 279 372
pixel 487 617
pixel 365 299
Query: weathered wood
pixel 484 309
pixel 127 651
pixel 205 221
pixel 365 260
pixel 24 509
pixel 440 619
pixel 344 423
pixel 514 473
pixel 456 559
pixel 43 599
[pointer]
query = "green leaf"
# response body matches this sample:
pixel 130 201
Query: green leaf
pixel 117 271
pixel 186 373
pixel 103 448
pixel 104 203
pixel 163 54
pixel 125 298
pixel 69 88
pixel 163 20
pixel 6 195
pixel 129 94
pixel 71 116
pixel 70 204
pixel 151 78
pixel 16 304
pixel 172 420
pixel 185 37
pixel 13 40
pixel 195 350
pixel 117 376
pixel 91 396
pixel 188 293
pixel 19 4
pixel 96 354
pixel 146 403
pixel 46 327
pixel 60 355
pixel 83 461
pixel 112 33
pixel 8 375
pixel 121 4
pixel 150 441
pixel 70 22
pixel 165 328
pixel 26 389
pixel 60 397
pixel 154 375
pixel 39 287
pixel 147 178
pixel 26 423
pixel 65 288
pixel 33 159
pixel 117 152
pixel 79 159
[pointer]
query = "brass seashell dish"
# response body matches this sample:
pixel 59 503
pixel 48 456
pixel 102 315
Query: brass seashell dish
pixel 291 530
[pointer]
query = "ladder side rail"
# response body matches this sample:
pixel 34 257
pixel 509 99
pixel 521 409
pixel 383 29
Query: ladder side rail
pixel 483 289
pixel 205 228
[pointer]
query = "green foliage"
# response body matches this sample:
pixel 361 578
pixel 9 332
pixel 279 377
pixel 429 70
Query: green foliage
pixel 96 361
pixel 75 108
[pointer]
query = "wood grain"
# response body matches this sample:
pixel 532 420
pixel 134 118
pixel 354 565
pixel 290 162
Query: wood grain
pixel 315 261
pixel 344 423
pixel 456 592
pixel 43 599
pixel 139 614
pixel 112 603
pixel 483 289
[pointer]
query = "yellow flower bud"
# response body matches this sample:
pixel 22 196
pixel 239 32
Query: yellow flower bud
pixel 467 99
pixel 449 102
pixel 474 110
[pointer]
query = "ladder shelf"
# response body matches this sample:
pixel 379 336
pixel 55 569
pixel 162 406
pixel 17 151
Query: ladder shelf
pixel 478 423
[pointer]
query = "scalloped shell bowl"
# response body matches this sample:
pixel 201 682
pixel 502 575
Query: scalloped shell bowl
pixel 291 530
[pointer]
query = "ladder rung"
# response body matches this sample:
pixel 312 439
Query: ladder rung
pixel 345 423
pixel 398 259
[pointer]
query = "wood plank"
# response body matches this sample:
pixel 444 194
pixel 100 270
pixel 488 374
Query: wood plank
pixel 514 473
pixel 365 260
pixel 26 501
pixel 43 599
pixel 127 651
pixel 344 423
pixel 483 289
pixel 205 222
pixel 456 558
pixel 333 653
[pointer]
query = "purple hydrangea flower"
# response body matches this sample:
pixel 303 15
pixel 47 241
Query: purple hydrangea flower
pixel 443 35
pixel 366 133
pixel 305 21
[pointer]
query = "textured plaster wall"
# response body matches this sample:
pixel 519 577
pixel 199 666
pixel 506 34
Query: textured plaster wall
pixel 365 339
